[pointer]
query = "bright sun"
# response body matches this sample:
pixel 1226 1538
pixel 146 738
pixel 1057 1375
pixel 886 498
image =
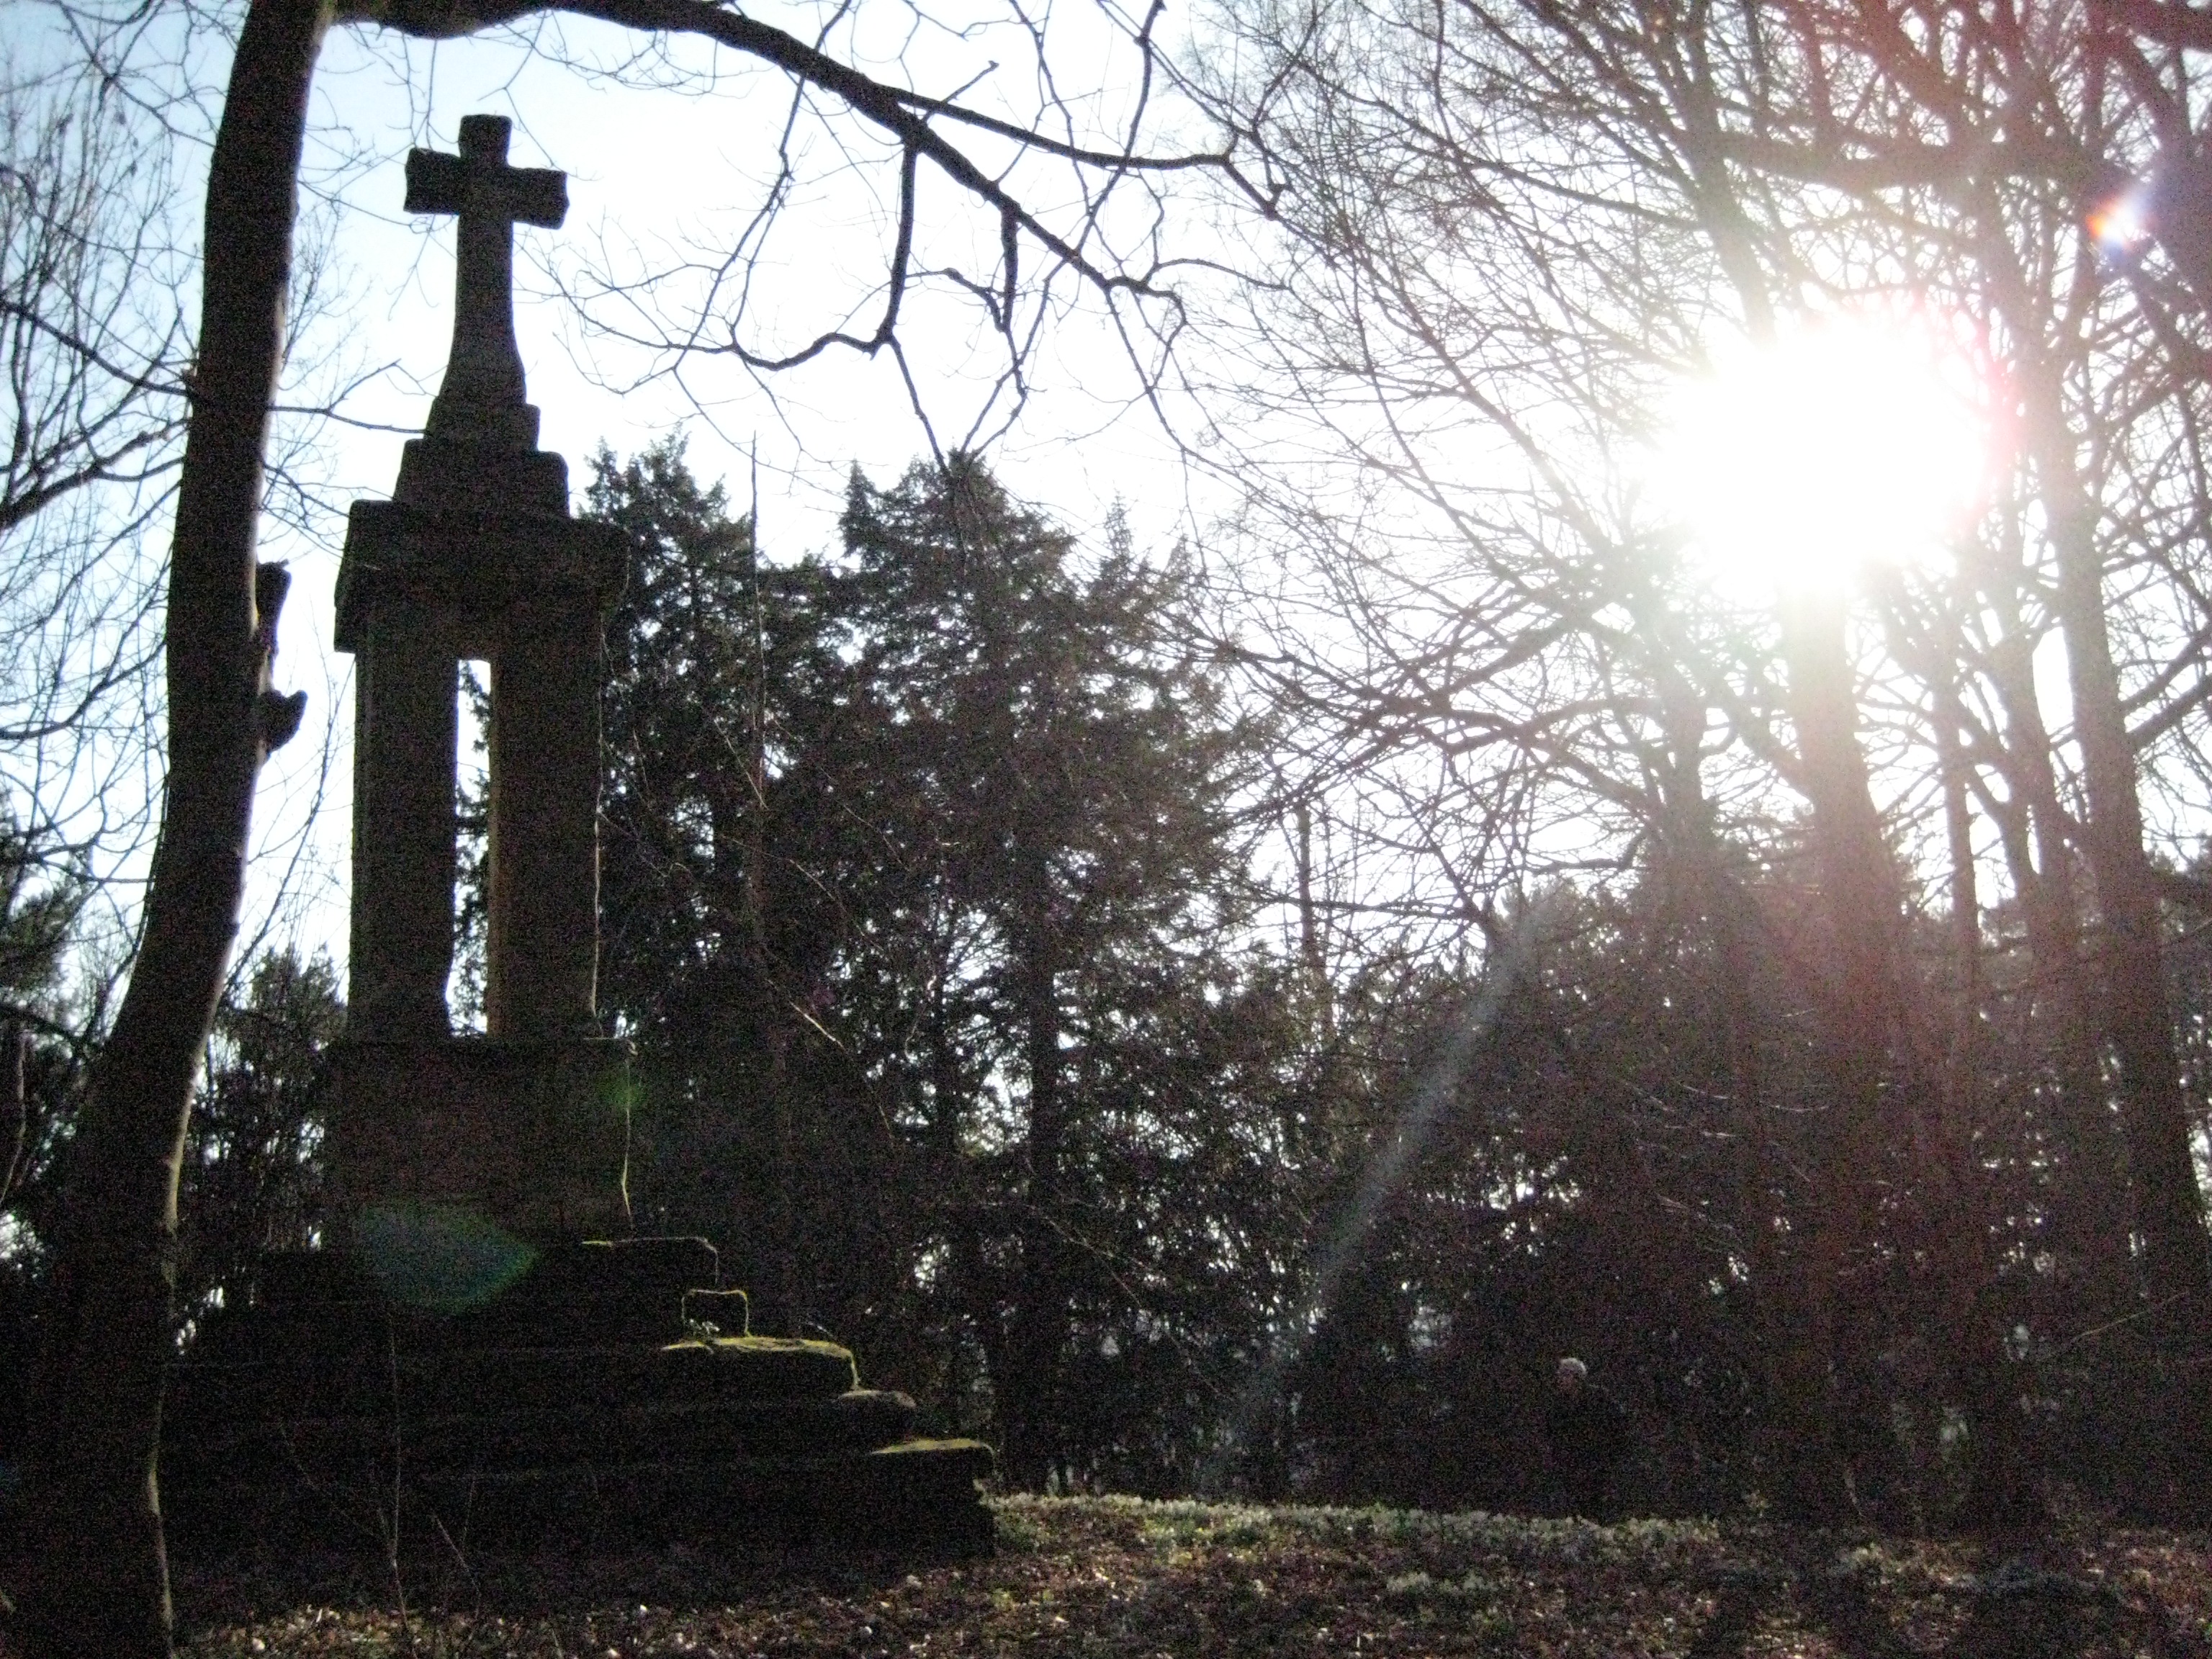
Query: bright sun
pixel 1844 443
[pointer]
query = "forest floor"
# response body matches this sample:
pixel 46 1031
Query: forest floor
pixel 1123 1579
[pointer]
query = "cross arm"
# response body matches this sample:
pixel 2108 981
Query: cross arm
pixel 435 183
pixel 534 196
pixel 439 182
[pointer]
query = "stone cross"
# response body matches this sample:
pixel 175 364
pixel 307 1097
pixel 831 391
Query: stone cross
pixel 475 558
pixel 484 380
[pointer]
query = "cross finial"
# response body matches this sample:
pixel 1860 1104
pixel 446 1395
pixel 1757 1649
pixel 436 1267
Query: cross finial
pixel 483 399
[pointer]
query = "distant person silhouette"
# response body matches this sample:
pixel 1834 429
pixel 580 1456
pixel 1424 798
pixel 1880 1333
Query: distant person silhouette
pixel 1587 1430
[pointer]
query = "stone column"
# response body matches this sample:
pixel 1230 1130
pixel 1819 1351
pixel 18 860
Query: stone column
pixel 403 824
pixel 542 956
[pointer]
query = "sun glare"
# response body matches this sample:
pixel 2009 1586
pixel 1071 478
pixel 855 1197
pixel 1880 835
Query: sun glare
pixel 1844 444
pixel 2122 225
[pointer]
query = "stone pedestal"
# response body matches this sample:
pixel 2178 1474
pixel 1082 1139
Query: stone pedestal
pixel 530 1136
pixel 529 1123
pixel 475 558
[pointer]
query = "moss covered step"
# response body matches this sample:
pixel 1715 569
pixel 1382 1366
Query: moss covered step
pixel 862 1420
pixel 363 1381
pixel 920 1492
pixel 752 1368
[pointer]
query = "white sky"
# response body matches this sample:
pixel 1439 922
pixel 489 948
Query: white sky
pixel 657 177
pixel 654 174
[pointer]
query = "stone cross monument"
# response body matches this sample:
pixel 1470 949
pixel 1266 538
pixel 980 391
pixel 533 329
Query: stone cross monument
pixel 476 556
pixel 549 1378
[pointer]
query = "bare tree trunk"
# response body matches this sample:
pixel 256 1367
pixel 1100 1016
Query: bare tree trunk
pixel 778 1301
pixel 971 1302
pixel 2092 1209
pixel 1804 1472
pixel 1862 897
pixel 2169 1210
pixel 2002 1489
pixel 1040 1332
pixel 1862 908
pixel 97 1581
pixel 1952 1210
pixel 1312 952
pixel 1884 1090
pixel 1965 899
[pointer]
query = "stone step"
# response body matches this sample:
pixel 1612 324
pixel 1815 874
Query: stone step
pixel 755 1368
pixel 625 1266
pixel 583 1399
pixel 920 1493
pixel 566 1295
pixel 368 1446
pixel 332 1329
pixel 365 1380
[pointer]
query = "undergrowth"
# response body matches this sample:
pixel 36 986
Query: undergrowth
pixel 1120 1578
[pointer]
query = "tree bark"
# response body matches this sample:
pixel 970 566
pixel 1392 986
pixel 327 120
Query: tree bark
pixel 2168 1207
pixel 1862 900
pixel 97 1579
pixel 1040 1333
pixel 2091 1212
pixel 1861 909
pixel 2002 1491
pixel 1803 1471
pixel 1884 1089
pixel 2169 1210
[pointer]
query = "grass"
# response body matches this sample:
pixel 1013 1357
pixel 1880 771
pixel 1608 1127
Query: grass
pixel 1117 1578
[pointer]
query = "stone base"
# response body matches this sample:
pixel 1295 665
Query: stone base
pixel 436 1141
pixel 585 1403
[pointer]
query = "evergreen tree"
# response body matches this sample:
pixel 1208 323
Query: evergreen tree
pixel 1074 774
pixel 253 1177
pixel 41 1078
pixel 722 712
pixel 922 878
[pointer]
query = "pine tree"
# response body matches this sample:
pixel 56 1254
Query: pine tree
pixel 922 876
pixel 1076 774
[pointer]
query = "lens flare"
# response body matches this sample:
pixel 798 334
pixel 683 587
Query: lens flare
pixel 2122 226
pixel 1844 443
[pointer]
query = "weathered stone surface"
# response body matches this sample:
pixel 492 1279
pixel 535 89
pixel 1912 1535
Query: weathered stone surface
pixel 508 1436
pixel 292 1371
pixel 717 1312
pixel 418 592
pixel 924 1496
pixel 474 567
pixel 404 740
pixel 756 1368
pixel 596 1294
pixel 664 1270
pixel 483 398
pixel 531 1137
pixel 542 942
